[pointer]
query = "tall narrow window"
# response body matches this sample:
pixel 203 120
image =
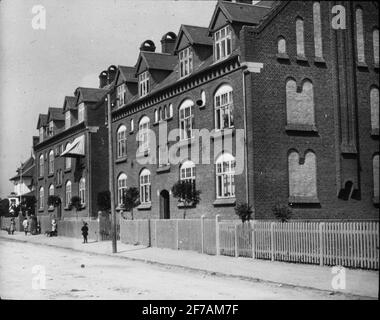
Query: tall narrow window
pixel 187 171
pixel 67 119
pixel 121 188
pixel 131 125
pixel 51 193
pixel 42 198
pixel 375 35
pixel 121 90
pixel 170 110
pixel 67 159
pixel 186 119
pixel 82 191
pixel 300 38
pixel 376 178
pixel 163 159
pixel 68 193
pixel 156 115
pixel 143 84
pixel 41 165
pixel 51 128
pixel 360 36
pixel 185 62
pixel 224 108
pixel 374 100
pixel 81 112
pixel 281 46
pixel 145 187
pixel 225 176
pixel 222 43
pixel 317 30
pixel 121 142
pixel 144 134
pixel 51 162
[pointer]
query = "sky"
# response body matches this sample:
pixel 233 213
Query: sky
pixel 39 67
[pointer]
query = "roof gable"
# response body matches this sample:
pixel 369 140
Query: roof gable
pixel 69 103
pixel 154 60
pixel 192 35
pixel 89 94
pixel 125 74
pixel 42 120
pixel 55 114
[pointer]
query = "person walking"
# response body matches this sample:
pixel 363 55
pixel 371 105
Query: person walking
pixel 12 227
pixel 53 228
pixel 25 224
pixel 84 232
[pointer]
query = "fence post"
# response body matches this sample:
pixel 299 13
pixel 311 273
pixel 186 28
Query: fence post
pixel 272 240
pixel 253 238
pixel 202 233
pixel 321 225
pixel 236 241
pixel 155 232
pixel 217 235
pixel 177 236
pixel 149 235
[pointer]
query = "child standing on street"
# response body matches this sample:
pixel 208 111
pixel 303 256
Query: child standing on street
pixel 25 224
pixel 84 232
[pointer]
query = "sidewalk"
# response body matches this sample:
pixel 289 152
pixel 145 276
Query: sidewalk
pixel 358 282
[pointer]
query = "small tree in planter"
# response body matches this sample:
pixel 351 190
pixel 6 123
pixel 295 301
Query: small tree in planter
pixel 244 211
pixel 186 193
pixel 104 200
pixel 131 199
pixel 282 212
pixel 54 201
pixel 76 203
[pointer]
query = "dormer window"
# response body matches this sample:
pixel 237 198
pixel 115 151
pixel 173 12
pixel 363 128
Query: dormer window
pixel 81 113
pixel 67 119
pixel 222 43
pixel 185 62
pixel 143 84
pixel 121 95
pixel 51 128
pixel 41 134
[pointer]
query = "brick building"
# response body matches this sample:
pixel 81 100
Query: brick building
pixel 305 96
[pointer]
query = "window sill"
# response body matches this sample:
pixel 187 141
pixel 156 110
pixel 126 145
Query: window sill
pixel 121 160
pixel 145 206
pixel 375 132
pixel 163 169
pixel 119 208
pixel 67 208
pixel 225 202
pixel 58 186
pixel 131 132
pixel 361 65
pixel 302 59
pixel 40 178
pixel 301 127
pixel 67 170
pixel 303 200
pixel 50 209
pixel 348 149
pixel 375 200
pixel 319 60
pixel 282 56
pixel 376 66
pixel 51 175
pixel 41 210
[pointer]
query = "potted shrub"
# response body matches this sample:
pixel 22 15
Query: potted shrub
pixel 186 193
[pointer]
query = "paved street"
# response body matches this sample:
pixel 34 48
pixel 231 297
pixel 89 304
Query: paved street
pixel 77 275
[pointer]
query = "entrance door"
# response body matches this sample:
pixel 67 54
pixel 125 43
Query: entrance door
pixel 164 205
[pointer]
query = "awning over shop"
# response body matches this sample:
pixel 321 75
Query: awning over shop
pixel 75 149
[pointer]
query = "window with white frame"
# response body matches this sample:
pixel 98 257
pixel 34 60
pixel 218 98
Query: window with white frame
pixel 121 90
pixel 163 159
pixel 51 162
pixel 82 191
pixel 185 62
pixel 300 37
pixel 67 159
pixel 59 177
pixel 224 107
pixel 67 119
pixel 81 112
pixel 121 188
pixel 222 43
pixel 143 84
pixel 144 134
pixel 41 134
pixel 225 176
pixel 68 193
pixel 156 115
pixel 187 171
pixel 131 125
pixel 145 189
pixel 360 49
pixel 41 165
pixel 317 29
pixel 121 142
pixel 51 193
pixel 281 45
pixel 374 102
pixel 186 119
pixel 42 198
pixel 170 110
pixel 51 128
pixel 375 39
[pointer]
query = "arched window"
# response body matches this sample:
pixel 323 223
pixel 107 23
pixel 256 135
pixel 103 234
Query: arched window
pixel 131 125
pixel 203 98
pixel 317 30
pixel 187 171
pixel 164 112
pixel 51 190
pixel 68 193
pixel 376 178
pixel 224 107
pixel 51 162
pixel 41 165
pixel 170 110
pixel 375 35
pixel 302 177
pixel 299 105
pixel 225 176
pixel 121 141
pixel 67 159
pixel 42 198
pixel 157 114
pixel 145 188
pixel 300 37
pixel 121 187
pixel 82 191
pixel 281 45
pixel 144 133
pixel 360 35
pixel 374 101
pixel 186 119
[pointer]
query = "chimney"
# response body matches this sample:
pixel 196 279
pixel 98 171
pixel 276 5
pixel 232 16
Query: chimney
pixel 111 74
pixel 103 79
pixel 148 45
pixel 167 42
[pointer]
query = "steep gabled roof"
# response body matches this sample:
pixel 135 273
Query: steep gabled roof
pixel 240 12
pixel 127 74
pixel 42 120
pixel 55 114
pixel 26 169
pixel 89 94
pixel 157 61
pixel 69 103
pixel 195 35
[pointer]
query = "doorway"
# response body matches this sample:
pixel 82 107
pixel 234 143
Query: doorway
pixel 164 205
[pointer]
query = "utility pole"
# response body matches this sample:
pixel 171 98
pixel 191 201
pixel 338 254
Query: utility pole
pixel 110 173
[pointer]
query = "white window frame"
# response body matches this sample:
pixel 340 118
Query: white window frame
pixel 224 107
pixel 121 138
pixel 81 109
pixel 186 119
pixel 51 128
pixel 185 62
pixel 225 176
pixel 68 193
pixel 121 187
pixel 222 43
pixel 131 125
pixel 67 119
pixel 41 165
pixel 187 171
pixel 121 90
pixel 51 162
pixel 144 133
pixel 145 186
pixel 82 191
pixel 42 198
pixel 143 83
pixel 51 193
pixel 163 155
